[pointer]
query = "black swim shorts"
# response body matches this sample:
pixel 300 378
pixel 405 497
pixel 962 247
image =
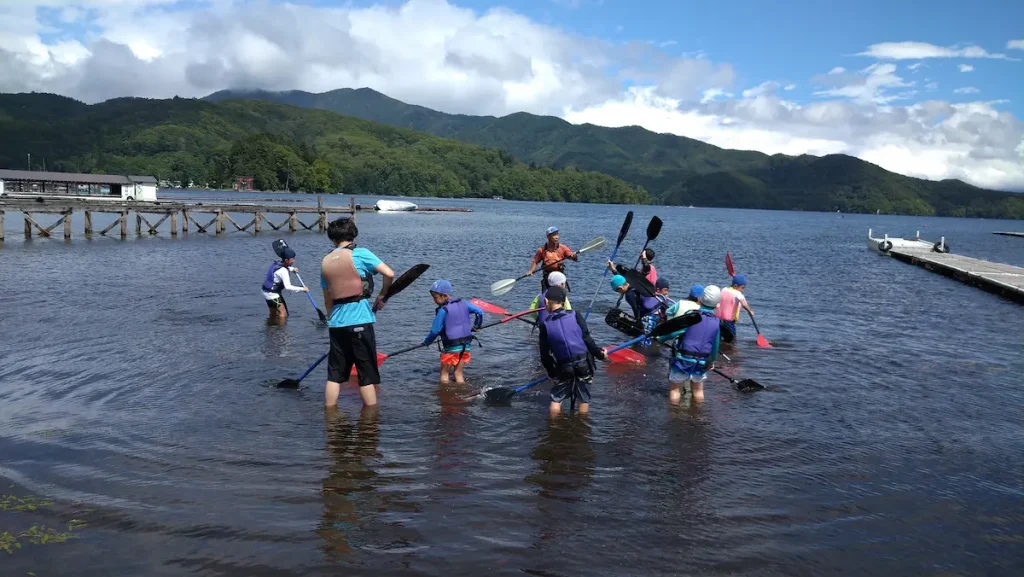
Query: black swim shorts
pixel 276 302
pixel 355 345
pixel 563 388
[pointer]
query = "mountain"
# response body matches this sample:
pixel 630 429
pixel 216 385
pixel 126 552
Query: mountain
pixel 675 169
pixel 280 146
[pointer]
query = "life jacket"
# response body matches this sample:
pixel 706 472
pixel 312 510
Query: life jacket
pixel 457 328
pixel 699 339
pixel 565 337
pixel 270 283
pixel 650 305
pixel 345 284
pixel 548 269
pixel 543 312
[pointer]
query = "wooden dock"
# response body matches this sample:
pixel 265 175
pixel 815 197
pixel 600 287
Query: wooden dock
pixel 154 214
pixel 1002 279
pixel 1020 234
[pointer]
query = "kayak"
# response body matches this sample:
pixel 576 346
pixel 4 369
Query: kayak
pixel 394 205
pixel 619 320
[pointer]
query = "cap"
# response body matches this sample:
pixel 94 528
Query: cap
pixel 662 283
pixel 552 229
pixel 441 287
pixel 555 294
pixel 287 253
pixel 696 291
pixel 618 280
pixel 739 280
pixel 556 278
pixel 710 296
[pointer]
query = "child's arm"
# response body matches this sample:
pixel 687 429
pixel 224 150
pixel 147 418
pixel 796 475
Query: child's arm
pixel 478 313
pixel 437 327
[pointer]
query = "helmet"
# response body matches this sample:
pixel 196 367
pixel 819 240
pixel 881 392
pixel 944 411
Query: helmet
pixel 710 296
pixel 618 280
pixel 556 278
pixel 441 287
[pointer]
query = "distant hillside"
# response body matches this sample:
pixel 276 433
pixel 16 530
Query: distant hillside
pixel 675 169
pixel 280 146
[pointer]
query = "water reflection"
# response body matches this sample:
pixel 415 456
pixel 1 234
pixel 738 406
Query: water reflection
pixel 565 459
pixel 352 448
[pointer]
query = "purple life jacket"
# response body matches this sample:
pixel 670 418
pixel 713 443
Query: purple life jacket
pixel 565 337
pixel 457 325
pixel 698 340
pixel 271 284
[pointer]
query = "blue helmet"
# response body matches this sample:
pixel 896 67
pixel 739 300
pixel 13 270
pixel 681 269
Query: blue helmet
pixel 441 287
pixel 696 291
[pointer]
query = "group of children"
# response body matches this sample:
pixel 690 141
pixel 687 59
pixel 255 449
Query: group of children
pixel 567 350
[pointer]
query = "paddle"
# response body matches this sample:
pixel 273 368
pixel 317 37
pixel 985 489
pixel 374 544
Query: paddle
pixel 622 236
pixel 496 310
pixel 683 321
pixel 403 282
pixel 744 384
pixel 653 230
pixel 503 286
pixel 762 341
pixel 294 383
pixel 320 313
pixel 620 354
pixel 636 280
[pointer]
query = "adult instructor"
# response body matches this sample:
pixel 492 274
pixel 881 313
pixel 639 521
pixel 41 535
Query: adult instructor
pixel 346 275
pixel 553 254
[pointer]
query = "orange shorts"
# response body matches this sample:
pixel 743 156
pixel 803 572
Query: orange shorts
pixel 453 358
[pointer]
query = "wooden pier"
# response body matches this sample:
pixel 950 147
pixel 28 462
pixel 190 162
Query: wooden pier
pixel 1020 234
pixel 1002 279
pixel 154 214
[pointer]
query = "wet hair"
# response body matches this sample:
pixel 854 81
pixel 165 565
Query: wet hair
pixel 342 230
pixel 649 253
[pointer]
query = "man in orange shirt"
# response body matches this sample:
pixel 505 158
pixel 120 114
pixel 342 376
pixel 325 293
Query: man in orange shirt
pixel 553 255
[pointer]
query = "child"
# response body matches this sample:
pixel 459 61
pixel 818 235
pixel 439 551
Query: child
pixel 691 303
pixel 554 279
pixel 695 349
pixel 567 352
pixel 278 280
pixel 648 270
pixel 452 324
pixel 728 309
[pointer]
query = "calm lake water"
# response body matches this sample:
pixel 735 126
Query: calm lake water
pixel 136 397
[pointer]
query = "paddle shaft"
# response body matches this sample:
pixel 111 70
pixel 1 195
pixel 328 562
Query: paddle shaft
pixel 311 301
pixel 618 243
pixel 310 369
pixel 653 230
pixel 628 343
pixel 522 388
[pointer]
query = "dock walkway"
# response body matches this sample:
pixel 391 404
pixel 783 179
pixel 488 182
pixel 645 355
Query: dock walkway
pixel 1002 279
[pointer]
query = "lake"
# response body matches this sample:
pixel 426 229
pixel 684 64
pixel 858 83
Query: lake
pixel 137 405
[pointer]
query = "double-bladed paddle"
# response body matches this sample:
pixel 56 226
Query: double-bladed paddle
pixel 653 230
pixel 503 286
pixel 622 236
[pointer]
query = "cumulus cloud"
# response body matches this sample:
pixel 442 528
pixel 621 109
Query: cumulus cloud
pixel 440 55
pixel 1015 45
pixel 921 50
pixel 966 68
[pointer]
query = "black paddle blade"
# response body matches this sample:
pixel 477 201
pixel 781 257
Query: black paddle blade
pixel 636 280
pixel 684 321
pixel 288 384
pixel 749 384
pixel 653 228
pixel 279 245
pixel 406 279
pixel 625 228
pixel 498 396
pixel 323 317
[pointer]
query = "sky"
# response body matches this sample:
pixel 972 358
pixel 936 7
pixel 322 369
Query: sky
pixel 934 90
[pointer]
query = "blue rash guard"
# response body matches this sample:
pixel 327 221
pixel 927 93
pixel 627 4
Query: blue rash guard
pixel 438 326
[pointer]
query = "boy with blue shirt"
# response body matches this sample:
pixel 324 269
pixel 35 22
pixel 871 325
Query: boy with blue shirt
pixel 346 275
pixel 452 323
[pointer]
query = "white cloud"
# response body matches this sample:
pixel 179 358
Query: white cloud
pixel 967 90
pixel 920 50
pixel 915 66
pixel 1015 45
pixel 436 54
pixel 966 68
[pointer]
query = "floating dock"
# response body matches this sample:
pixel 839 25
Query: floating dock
pixel 155 213
pixel 1020 234
pixel 1002 279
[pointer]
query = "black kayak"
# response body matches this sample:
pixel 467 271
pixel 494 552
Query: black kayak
pixel 621 321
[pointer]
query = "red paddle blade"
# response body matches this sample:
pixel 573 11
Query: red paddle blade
pixel 762 341
pixel 729 266
pixel 488 307
pixel 626 356
pixel 380 360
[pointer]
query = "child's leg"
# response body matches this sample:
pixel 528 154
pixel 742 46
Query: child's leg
pixel 458 372
pixel 444 373
pixel 676 383
pixel 697 387
pixel 583 408
pixel 554 408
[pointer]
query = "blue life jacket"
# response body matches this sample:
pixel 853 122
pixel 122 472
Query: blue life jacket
pixel 699 339
pixel 565 336
pixel 458 328
pixel 271 284
pixel 651 305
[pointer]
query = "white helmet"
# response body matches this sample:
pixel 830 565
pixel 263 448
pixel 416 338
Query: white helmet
pixel 710 296
pixel 556 278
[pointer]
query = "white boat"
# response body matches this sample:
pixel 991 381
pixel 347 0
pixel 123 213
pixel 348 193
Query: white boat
pixel 886 243
pixel 394 205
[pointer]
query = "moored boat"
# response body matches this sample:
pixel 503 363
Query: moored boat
pixel 886 243
pixel 394 205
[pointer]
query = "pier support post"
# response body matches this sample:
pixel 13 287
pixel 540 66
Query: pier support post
pixel 88 223
pixel 28 226
pixel 184 221
pixel 174 224
pixel 67 225
pixel 259 221
pixel 138 224
pixel 291 222
pixel 124 224
pixel 1 226
pixel 219 228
